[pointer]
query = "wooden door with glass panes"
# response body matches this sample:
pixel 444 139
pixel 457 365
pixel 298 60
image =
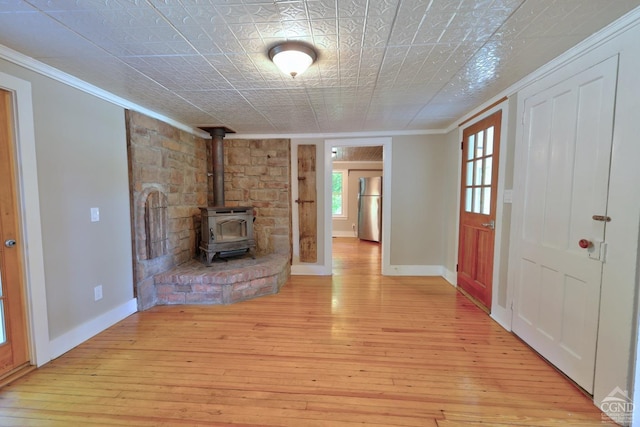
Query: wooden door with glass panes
pixel 13 343
pixel 480 150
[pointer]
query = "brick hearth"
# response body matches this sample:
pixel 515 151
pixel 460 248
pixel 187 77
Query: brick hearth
pixel 222 282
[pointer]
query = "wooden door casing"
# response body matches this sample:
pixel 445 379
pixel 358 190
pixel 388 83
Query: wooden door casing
pixel 477 215
pixel 13 352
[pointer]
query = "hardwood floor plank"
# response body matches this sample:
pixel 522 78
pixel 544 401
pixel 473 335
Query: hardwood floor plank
pixel 468 420
pixel 353 348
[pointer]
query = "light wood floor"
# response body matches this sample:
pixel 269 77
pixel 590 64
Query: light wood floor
pixel 355 348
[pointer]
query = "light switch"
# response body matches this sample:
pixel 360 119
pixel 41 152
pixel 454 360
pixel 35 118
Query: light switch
pixel 95 214
pixel 508 196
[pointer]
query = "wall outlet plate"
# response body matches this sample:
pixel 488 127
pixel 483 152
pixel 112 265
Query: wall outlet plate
pixel 97 293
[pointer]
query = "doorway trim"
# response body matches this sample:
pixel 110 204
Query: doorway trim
pixel 385 142
pixel 29 214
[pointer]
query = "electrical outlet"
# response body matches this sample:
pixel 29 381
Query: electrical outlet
pixel 97 293
pixel 95 214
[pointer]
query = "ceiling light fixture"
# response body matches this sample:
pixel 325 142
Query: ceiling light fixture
pixel 293 58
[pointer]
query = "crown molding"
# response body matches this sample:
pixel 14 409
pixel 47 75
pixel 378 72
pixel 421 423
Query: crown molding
pixel 62 77
pixel 329 135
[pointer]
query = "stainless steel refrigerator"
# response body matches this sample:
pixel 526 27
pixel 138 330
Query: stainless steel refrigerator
pixel 370 209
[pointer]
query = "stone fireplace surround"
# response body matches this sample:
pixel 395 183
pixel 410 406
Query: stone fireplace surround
pixel 177 166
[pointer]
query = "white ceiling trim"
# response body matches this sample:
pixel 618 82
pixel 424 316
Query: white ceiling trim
pixel 62 77
pixel 372 134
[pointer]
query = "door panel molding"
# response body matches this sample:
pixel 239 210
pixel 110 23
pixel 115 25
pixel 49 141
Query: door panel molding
pixel 561 180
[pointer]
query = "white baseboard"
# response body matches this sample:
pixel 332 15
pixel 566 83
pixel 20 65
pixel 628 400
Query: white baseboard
pixel 413 270
pixel 337 233
pixel 502 316
pixel 450 276
pixel 310 270
pixel 80 334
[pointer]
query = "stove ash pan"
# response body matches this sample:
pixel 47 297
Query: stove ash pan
pixel 226 232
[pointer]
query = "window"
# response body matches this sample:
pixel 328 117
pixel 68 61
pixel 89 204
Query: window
pixel 339 201
pixel 479 161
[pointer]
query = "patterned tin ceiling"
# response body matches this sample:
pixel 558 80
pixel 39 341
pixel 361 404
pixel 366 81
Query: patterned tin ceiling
pixel 383 65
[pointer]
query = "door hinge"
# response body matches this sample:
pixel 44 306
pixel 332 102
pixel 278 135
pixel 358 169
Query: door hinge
pixel 462 145
pixel 456 268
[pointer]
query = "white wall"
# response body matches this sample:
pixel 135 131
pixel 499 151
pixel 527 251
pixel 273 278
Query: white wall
pixel 417 210
pixel 450 196
pixel 80 144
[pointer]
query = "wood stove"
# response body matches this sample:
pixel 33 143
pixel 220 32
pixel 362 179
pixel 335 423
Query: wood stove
pixel 226 231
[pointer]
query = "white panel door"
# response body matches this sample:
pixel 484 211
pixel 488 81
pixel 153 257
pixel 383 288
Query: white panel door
pixel 563 182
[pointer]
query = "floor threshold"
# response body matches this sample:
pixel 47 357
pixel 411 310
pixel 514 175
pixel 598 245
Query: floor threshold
pixel 17 373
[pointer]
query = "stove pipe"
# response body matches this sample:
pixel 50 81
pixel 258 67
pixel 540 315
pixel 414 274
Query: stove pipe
pixel 217 151
pixel 217 162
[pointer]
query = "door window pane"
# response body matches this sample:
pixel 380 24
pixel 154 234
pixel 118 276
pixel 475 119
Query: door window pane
pixel 489 142
pixel 470 148
pixel 469 174
pixel 477 199
pixel 486 200
pixel 488 162
pixel 480 144
pixel 478 168
pixel 3 335
pixel 467 199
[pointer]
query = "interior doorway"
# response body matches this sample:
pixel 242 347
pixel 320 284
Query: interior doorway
pixel 348 160
pixel 350 166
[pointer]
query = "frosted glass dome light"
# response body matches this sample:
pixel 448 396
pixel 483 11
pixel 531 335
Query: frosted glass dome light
pixel 292 58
